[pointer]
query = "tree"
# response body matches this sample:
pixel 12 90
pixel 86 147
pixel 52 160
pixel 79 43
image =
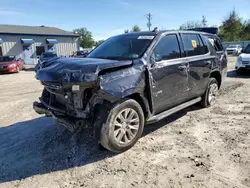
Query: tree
pixel 97 43
pixel 204 21
pixel 245 32
pixel 126 31
pixel 191 25
pixel 135 28
pixel 85 37
pixel 232 27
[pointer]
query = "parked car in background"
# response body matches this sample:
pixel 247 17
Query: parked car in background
pixel 10 64
pixel 130 80
pixel 234 49
pixel 243 60
pixel 80 53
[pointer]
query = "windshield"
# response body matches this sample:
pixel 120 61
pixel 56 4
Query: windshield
pixel 247 50
pixel 6 58
pixel 48 55
pixel 233 46
pixel 122 47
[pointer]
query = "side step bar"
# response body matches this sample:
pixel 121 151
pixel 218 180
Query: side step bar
pixel 171 111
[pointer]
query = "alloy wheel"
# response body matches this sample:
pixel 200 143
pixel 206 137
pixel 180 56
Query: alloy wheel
pixel 126 125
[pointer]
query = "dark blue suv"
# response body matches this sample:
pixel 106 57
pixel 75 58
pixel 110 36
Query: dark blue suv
pixel 130 80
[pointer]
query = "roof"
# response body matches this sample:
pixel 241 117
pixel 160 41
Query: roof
pixel 34 30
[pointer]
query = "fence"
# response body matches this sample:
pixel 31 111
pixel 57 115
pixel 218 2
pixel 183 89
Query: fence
pixel 242 43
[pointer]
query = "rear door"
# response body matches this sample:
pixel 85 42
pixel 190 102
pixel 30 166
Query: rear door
pixel 221 53
pixel 200 63
pixel 169 74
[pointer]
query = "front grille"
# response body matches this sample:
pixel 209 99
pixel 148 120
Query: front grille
pixel 54 100
pixel 245 62
pixel 52 85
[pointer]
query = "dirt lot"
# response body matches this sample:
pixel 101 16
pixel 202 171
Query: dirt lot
pixel 193 148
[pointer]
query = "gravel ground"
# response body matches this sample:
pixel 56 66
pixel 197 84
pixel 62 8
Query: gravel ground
pixel 192 148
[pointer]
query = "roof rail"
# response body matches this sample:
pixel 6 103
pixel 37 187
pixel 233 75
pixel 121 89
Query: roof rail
pixel 211 30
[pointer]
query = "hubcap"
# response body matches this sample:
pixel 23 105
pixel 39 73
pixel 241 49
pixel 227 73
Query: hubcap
pixel 213 92
pixel 126 125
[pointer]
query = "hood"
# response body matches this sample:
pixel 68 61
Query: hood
pixel 245 57
pixel 76 69
pixel 7 62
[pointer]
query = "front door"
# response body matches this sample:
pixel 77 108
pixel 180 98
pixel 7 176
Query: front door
pixel 27 55
pixel 169 74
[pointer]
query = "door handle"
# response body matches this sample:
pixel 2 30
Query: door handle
pixel 208 62
pixel 182 67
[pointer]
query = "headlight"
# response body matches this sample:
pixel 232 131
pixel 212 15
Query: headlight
pixel 239 60
pixel 12 66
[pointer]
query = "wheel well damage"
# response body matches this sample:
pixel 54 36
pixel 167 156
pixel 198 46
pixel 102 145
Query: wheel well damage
pixel 217 76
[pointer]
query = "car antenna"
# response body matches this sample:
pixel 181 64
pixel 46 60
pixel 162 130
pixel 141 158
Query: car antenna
pixel 155 29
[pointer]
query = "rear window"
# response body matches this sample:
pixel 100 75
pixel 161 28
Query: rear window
pixel 193 45
pixel 215 41
pixel 7 58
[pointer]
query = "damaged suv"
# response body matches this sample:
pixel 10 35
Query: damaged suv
pixel 131 80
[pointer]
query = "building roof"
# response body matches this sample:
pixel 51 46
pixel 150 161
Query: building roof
pixel 34 30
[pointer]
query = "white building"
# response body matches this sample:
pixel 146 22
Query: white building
pixel 30 41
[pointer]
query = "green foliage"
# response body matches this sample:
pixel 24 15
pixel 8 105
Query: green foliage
pixel 85 37
pixel 245 32
pixel 204 21
pixel 97 43
pixel 231 27
pixel 135 28
pixel 191 25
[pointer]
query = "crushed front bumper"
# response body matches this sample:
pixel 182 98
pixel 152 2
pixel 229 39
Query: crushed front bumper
pixel 70 123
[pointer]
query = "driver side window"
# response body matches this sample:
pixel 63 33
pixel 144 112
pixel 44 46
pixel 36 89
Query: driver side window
pixel 167 48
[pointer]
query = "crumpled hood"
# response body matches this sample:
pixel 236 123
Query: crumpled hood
pixel 76 69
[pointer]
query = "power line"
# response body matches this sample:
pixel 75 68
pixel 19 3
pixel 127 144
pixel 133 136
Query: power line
pixel 149 18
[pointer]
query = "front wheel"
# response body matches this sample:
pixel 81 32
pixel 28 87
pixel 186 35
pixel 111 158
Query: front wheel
pixel 210 96
pixel 123 127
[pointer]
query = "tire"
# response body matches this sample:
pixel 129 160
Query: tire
pixel 209 97
pixel 122 127
pixel 238 72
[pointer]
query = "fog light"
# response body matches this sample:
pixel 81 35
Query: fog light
pixel 66 96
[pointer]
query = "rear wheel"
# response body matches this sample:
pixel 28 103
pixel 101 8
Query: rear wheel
pixel 123 126
pixel 210 96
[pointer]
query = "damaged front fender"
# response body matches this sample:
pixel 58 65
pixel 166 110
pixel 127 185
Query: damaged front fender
pixel 121 83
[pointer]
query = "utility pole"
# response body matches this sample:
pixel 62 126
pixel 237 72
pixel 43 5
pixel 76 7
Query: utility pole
pixel 149 17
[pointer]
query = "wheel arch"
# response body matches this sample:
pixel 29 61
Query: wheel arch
pixel 217 76
pixel 142 102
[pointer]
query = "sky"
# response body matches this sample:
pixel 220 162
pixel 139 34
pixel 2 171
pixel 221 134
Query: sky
pixel 105 18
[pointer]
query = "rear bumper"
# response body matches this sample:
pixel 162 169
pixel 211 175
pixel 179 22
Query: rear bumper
pixel 243 69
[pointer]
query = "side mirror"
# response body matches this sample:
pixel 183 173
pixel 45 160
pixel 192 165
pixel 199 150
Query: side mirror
pixel 242 51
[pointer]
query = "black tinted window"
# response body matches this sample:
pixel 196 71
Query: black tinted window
pixel 167 48
pixel 216 43
pixel 40 50
pixel 193 45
